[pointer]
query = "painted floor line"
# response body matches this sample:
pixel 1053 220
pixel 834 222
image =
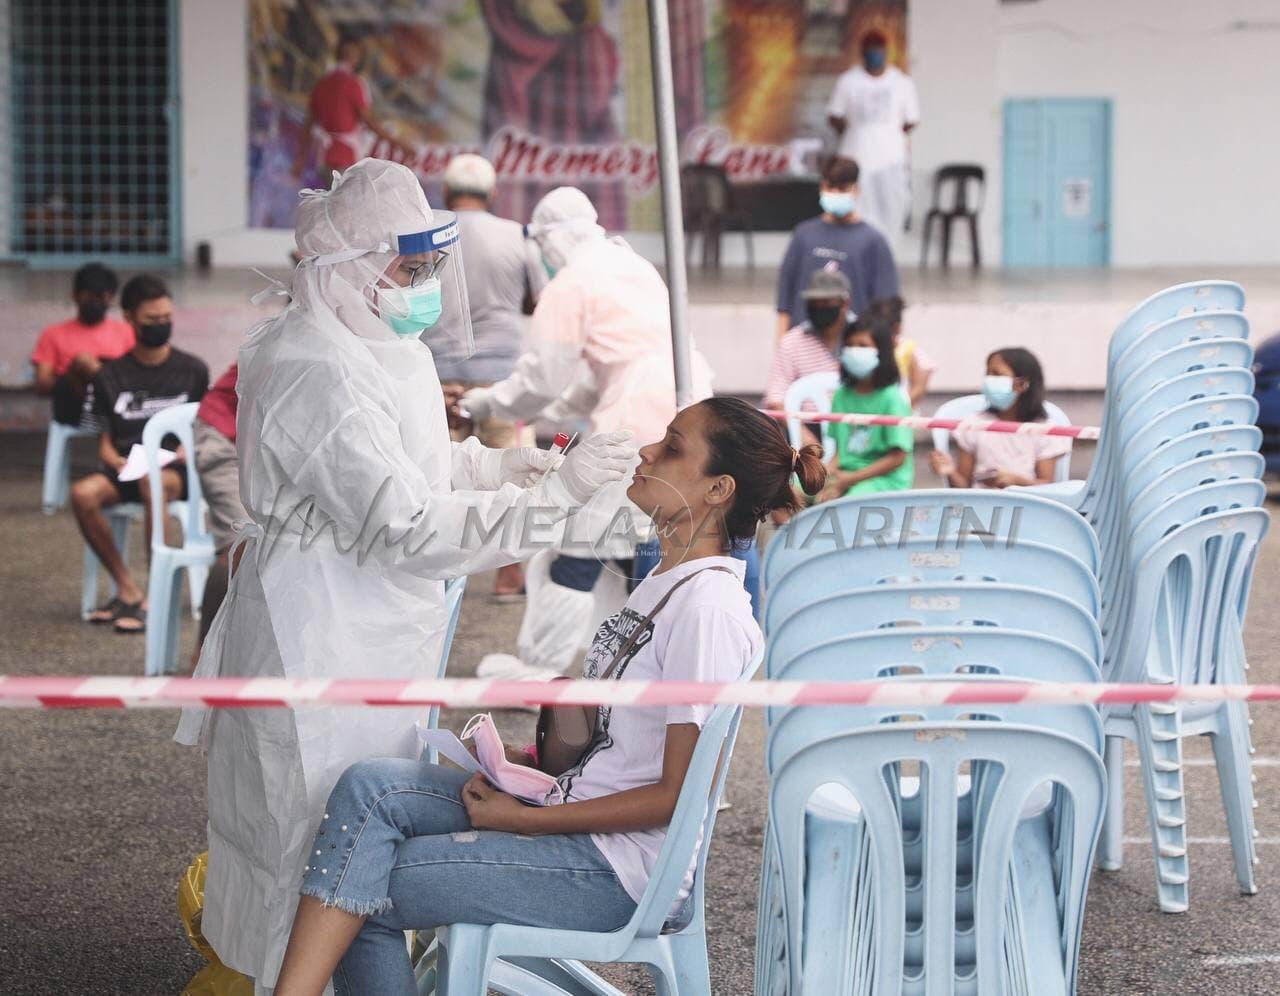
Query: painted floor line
pixel 1146 841
pixel 1231 961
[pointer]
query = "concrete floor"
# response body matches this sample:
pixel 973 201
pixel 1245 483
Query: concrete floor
pixel 101 812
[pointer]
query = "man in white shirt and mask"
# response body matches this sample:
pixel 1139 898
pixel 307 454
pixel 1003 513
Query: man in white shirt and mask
pixel 872 109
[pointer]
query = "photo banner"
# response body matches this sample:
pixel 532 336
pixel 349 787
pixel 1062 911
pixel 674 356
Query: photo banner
pixel 553 92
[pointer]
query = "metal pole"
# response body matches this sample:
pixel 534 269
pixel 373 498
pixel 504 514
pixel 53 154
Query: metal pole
pixel 664 109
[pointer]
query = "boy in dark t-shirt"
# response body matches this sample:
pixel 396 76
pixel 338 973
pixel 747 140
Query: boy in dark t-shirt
pixel 149 378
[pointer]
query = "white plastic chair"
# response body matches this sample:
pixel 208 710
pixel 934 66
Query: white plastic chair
pixel 195 556
pixel 511 958
pixel 57 465
pixel 971 405
pixel 815 389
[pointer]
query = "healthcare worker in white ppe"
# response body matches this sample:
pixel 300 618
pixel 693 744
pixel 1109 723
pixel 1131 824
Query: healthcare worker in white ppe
pixel 361 508
pixel 599 346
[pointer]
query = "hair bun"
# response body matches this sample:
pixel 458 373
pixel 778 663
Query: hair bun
pixel 810 469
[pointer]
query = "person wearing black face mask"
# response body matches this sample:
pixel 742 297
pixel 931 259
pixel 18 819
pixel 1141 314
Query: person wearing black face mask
pixel 814 345
pixel 127 391
pixel 68 355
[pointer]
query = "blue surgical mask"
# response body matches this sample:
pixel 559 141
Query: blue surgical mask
pixel 860 361
pixel 874 59
pixel 837 203
pixel 410 310
pixel 999 392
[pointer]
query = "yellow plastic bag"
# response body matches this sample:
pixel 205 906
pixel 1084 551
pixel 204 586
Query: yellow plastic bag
pixel 215 979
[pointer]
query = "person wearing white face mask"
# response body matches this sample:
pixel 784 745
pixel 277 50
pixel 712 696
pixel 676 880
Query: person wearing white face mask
pixel 1014 391
pixel 839 235
pixel 361 507
pixel 599 345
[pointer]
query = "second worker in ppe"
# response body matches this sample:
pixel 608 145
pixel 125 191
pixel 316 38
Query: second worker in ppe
pixel 599 346
pixel 361 508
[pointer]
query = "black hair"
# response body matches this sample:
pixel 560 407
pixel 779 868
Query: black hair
pixel 1030 404
pixel 141 289
pixel 881 329
pixel 751 448
pixel 839 171
pixel 95 279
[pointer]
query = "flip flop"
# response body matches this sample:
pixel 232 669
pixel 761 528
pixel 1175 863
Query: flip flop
pixel 106 613
pixel 131 612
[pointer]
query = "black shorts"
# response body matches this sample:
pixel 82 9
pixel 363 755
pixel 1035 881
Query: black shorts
pixel 131 491
pixel 68 404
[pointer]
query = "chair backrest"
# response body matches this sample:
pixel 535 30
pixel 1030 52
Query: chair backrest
pixel 454 589
pixel 1173 302
pixel 899 567
pixel 940 515
pixel 1192 447
pixel 706 189
pixel 178 420
pixel 1201 334
pixel 815 389
pixel 974 404
pixel 958 176
pixel 1195 386
pixel 689 833
pixel 1190 589
pixel 1020 758
pixel 904 607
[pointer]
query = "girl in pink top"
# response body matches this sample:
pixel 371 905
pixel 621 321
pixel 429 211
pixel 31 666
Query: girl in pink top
pixel 1014 389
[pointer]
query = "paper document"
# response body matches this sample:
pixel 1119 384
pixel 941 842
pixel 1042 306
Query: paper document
pixel 135 468
pixel 448 744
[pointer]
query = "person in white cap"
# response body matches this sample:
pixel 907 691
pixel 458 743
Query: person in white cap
pixel 600 345
pixel 361 507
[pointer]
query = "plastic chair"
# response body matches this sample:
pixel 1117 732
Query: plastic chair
pixel 815 389
pixel 975 404
pixel 119 518
pixel 710 209
pixel 957 176
pixel 57 465
pixel 950 960
pixel 454 589
pixel 973 604
pixel 1177 301
pixel 195 556
pixel 1209 339
pixel 940 515
pixel 1190 591
pixel 675 955
pixel 920 561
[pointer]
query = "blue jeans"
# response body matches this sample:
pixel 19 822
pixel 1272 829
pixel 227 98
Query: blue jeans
pixel 395 844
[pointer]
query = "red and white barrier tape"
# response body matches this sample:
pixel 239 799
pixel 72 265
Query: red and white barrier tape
pixel 258 693
pixel 950 424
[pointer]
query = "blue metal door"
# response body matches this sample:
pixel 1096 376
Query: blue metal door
pixel 1057 182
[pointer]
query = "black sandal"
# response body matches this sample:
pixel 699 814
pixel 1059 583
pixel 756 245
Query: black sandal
pixel 135 611
pixel 106 614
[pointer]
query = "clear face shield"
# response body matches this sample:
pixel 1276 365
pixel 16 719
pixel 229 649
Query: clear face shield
pixel 424 291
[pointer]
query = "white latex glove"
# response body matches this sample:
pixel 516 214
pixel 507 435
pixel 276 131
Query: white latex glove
pixel 589 466
pixel 524 466
pixel 476 404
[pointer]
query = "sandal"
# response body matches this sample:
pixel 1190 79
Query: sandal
pixel 129 614
pixel 107 613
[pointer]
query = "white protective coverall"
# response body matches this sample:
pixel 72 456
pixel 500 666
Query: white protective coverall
pixel 599 344
pixel 360 508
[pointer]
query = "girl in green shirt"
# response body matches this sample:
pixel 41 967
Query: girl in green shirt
pixel 869 458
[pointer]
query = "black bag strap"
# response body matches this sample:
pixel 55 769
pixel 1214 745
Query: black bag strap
pixel 635 633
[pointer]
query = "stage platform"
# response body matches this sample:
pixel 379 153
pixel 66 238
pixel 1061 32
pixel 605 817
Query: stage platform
pixel 959 316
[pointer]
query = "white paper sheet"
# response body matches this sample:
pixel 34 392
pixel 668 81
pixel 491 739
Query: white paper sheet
pixel 448 744
pixel 135 467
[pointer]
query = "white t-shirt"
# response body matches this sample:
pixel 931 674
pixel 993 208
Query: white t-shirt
pixel 875 109
pixel 705 633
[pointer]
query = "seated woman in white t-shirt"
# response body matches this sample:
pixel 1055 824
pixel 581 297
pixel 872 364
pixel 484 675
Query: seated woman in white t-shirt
pixel 398 848
pixel 1014 389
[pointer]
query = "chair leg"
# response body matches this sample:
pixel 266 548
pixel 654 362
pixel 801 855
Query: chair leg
pixel 1160 745
pixel 924 239
pixel 946 241
pixel 57 472
pixel 689 955
pixel 973 241
pixel 197 577
pixel 751 249
pixel 162 620
pixel 1235 779
pixel 462 965
pixel 89 586
pixel 1111 846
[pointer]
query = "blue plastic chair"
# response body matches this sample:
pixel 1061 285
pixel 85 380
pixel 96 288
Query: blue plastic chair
pixel 971 405
pixel 1178 301
pixel 195 556
pixel 1184 626
pixel 951 959
pixel 973 604
pixel 454 589
pixel 1025 563
pixel 940 515
pixel 56 484
pixel 674 953
pixel 815 389
pixel 1180 348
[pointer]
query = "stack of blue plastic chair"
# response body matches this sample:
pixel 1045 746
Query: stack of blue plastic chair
pixel 1173 494
pixel 942 584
